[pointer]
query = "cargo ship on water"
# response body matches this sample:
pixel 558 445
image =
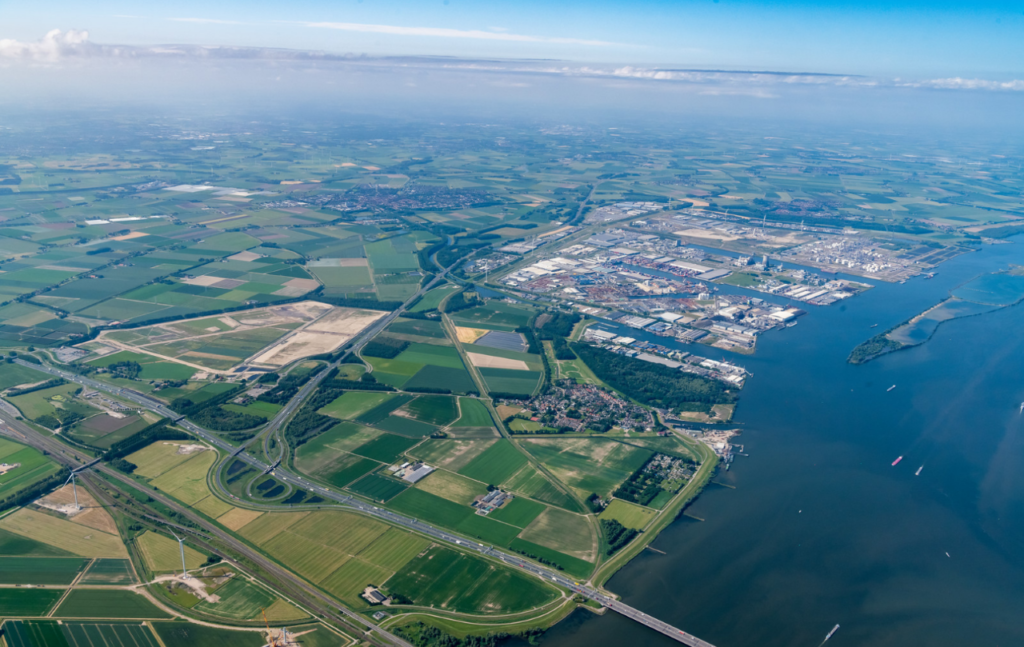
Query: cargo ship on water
pixel 897 461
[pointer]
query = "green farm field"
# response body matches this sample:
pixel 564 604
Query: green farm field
pixel 473 414
pixel 107 603
pixel 90 634
pixel 533 484
pixel 433 409
pixel 40 570
pixel 185 634
pixel 565 532
pixel 628 514
pixel 493 316
pixel 378 488
pixel 33 467
pixel 496 464
pixel 240 599
pixel 518 512
pixel 385 448
pixel 450 453
pixel 109 571
pixel 588 464
pixel 452 581
pixel 28 602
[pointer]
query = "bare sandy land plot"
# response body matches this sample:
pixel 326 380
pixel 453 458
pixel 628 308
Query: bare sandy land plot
pixel 469 335
pixel 345 164
pixel 704 233
pixel 205 281
pixel 134 234
pixel 290 292
pixel 91 514
pixel 372 168
pixel 229 322
pixel 490 361
pixel 305 284
pixel 235 518
pixel 345 321
pixel 504 411
pixel 248 257
pixel 353 262
pixel 324 335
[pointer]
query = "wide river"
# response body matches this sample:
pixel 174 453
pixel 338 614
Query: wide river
pixel 821 529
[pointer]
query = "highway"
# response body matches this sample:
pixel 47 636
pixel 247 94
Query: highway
pixel 396 519
pixel 287 582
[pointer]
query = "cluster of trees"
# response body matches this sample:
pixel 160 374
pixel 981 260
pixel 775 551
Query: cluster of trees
pixel 424 635
pixel 220 419
pixel 385 347
pixel 880 344
pixel 542 560
pixel 616 535
pixel 128 370
pixel 557 324
pixel 59 418
pixel 268 378
pixel 462 300
pixel 652 384
pixel 346 302
pixel 123 465
pixel 287 387
pixel 641 487
pixel 187 407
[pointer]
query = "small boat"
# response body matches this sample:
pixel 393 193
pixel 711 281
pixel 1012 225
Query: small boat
pixel 830 634
pixel 918 472
pixel 890 388
pixel 897 461
pixel 873 326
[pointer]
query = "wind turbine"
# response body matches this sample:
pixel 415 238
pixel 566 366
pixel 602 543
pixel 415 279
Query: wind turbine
pixel 181 546
pixel 73 489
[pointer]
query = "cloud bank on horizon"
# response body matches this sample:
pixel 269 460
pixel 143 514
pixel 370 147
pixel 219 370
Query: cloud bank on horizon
pixel 74 48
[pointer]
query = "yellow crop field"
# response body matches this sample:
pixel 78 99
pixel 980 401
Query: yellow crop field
pixel 212 507
pixel 452 487
pixel 235 518
pixel 72 537
pixel 394 549
pixel 161 553
pixel 281 611
pixel 306 556
pixel 348 582
pixel 268 526
pixel 160 457
pixel 187 482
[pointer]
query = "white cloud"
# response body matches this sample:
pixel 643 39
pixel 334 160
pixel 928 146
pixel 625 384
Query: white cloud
pixel 443 32
pixel 52 47
pixel 957 83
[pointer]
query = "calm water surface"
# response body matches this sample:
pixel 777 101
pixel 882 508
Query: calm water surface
pixel 820 528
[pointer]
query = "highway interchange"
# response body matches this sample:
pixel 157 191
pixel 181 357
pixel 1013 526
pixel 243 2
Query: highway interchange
pixel 346 501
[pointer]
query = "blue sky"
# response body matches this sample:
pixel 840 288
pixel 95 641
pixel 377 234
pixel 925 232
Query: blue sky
pixel 893 39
